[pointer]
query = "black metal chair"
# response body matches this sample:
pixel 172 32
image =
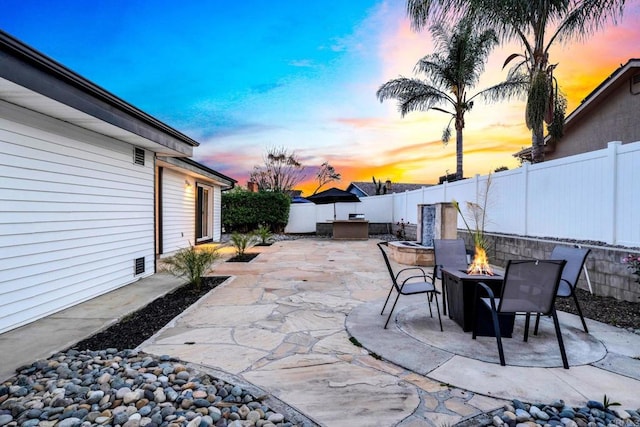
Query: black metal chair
pixel 448 253
pixel 575 258
pixel 409 286
pixel 529 287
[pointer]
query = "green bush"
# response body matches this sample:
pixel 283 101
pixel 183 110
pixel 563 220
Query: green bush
pixel 192 263
pixel 243 211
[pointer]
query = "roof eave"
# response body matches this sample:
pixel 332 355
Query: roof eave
pixel 197 169
pixel 40 74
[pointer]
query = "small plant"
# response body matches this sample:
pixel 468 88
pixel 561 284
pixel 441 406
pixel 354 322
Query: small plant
pixel 192 263
pixel 607 403
pixel 263 233
pixel 477 213
pixel 242 242
pixel 380 187
pixel 633 264
pixel 401 232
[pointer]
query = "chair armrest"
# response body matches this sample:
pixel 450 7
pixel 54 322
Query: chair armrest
pixel 423 278
pixel 487 289
pixel 489 292
pixel 421 270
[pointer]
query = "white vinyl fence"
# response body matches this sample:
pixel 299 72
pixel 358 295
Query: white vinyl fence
pixel 591 196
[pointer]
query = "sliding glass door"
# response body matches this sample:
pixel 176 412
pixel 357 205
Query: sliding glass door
pixel 204 213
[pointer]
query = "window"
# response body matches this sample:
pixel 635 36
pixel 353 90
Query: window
pixel 204 213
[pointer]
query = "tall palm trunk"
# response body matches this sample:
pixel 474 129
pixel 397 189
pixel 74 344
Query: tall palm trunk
pixel 459 172
pixel 537 144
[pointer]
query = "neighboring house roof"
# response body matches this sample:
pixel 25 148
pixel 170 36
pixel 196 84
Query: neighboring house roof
pixel 363 189
pixel 592 100
pixel 198 169
pixel 34 81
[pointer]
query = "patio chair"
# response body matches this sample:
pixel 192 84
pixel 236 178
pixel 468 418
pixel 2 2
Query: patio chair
pixel 529 287
pixel 452 254
pixel 414 284
pixel 575 258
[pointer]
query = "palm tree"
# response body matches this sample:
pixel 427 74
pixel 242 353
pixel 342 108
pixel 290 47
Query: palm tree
pixel 537 25
pixel 454 69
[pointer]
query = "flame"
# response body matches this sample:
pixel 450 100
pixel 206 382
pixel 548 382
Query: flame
pixel 480 264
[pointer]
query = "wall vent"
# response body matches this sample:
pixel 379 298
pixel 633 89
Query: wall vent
pixel 138 266
pixel 138 156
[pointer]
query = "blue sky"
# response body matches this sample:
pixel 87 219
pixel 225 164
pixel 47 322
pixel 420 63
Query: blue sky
pixel 241 77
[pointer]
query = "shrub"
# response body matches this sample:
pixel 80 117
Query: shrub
pixel 192 263
pixel 242 242
pixel 263 233
pixel 244 211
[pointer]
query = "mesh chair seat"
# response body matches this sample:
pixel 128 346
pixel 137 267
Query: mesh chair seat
pixel 412 288
pixel 565 289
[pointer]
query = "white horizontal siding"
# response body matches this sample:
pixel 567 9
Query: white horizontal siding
pixel 217 213
pixel 178 210
pixel 74 214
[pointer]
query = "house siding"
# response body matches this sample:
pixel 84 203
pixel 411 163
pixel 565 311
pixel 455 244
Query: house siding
pixel 75 212
pixel 178 210
pixel 613 118
pixel 217 213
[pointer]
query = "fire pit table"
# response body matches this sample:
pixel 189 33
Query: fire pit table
pixel 461 290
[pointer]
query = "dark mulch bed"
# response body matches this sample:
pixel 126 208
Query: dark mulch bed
pixel 242 258
pixel 135 328
pixel 623 314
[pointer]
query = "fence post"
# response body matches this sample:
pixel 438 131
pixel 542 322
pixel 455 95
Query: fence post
pixel 525 201
pixel 612 197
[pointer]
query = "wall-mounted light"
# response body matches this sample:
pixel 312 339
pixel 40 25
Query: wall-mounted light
pixel 187 184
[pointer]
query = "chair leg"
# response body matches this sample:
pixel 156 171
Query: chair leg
pixel 584 324
pixel 496 330
pixel 535 329
pixel 444 297
pixel 438 310
pixel 429 301
pixel 391 312
pixel 526 326
pixel 386 301
pixel 565 362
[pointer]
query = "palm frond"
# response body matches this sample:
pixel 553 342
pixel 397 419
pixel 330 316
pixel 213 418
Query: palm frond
pixel 412 94
pixel 509 89
pixel 587 17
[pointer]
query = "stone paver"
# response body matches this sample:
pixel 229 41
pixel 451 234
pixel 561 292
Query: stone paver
pixel 281 321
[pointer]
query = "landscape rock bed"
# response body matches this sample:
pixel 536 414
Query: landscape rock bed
pixel 592 414
pixel 129 389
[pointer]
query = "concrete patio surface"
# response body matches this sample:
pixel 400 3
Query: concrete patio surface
pixel 283 322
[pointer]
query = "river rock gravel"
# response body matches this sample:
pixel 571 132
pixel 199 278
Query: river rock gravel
pixel 129 389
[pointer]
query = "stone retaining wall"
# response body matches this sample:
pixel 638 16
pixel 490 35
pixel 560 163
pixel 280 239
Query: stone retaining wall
pixel 609 277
